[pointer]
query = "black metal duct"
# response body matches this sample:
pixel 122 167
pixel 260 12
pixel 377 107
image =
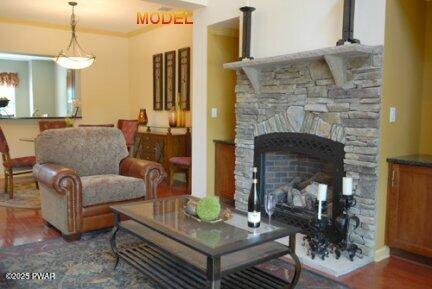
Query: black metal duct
pixel 247 27
pixel 348 23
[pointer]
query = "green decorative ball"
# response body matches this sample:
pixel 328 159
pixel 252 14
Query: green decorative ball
pixel 208 209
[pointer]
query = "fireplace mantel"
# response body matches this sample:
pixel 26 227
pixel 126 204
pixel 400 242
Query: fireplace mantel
pixel 334 56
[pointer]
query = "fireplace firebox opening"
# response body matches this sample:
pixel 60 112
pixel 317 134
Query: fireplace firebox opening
pixel 291 165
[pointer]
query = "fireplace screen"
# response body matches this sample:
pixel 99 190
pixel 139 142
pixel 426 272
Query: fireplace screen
pixel 291 165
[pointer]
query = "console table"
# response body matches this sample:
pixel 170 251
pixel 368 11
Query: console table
pixel 159 144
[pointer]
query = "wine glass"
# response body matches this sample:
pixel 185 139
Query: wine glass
pixel 270 204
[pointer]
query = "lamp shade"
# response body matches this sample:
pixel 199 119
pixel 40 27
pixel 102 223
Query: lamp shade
pixel 74 62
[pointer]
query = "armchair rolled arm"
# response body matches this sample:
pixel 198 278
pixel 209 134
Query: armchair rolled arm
pixel 151 172
pixel 63 181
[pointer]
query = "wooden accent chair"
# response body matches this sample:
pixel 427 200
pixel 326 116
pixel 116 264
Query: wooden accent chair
pixel 97 125
pixel 51 124
pixel 183 164
pixel 84 171
pixel 15 166
pixel 129 129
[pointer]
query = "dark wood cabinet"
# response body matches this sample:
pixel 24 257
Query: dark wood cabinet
pixel 409 208
pixel 161 146
pixel 224 171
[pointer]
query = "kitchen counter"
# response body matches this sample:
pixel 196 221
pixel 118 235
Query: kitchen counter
pixel 412 160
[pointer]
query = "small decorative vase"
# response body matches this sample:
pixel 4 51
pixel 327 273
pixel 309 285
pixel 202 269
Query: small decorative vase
pixel 142 117
pixel 172 117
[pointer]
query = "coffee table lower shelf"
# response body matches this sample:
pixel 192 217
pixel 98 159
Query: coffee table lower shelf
pixel 170 273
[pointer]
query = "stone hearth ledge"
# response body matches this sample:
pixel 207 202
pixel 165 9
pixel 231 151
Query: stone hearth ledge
pixel 334 56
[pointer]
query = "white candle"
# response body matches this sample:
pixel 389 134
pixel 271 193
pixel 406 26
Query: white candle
pixel 247 3
pixel 319 209
pixel 347 186
pixel 322 192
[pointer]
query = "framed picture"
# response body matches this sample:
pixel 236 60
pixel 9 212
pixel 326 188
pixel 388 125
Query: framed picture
pixel 170 79
pixel 158 82
pixel 184 77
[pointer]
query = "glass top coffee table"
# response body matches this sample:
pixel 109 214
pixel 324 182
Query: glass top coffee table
pixel 179 251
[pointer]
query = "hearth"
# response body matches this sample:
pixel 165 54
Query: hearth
pixel 291 165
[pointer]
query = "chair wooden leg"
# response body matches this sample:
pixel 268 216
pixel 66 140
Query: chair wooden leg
pixel 10 185
pixel 6 182
pixel 37 185
pixel 72 237
pixel 189 180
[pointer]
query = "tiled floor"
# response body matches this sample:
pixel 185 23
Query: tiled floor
pixel 18 226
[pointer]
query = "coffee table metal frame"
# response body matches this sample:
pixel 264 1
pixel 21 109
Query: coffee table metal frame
pixel 158 263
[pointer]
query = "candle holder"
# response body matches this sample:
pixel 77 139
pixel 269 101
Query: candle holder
pixel 346 224
pixel 317 240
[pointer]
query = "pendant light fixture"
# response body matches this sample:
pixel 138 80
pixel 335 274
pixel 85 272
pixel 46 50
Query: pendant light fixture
pixel 74 56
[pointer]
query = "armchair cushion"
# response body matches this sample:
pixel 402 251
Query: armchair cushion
pixel 88 151
pixel 102 189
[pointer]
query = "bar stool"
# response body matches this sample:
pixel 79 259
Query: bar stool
pixel 182 164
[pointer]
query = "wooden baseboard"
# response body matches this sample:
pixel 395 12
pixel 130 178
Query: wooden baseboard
pixel 411 256
pixel 382 254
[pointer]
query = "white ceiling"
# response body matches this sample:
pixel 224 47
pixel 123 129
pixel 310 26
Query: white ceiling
pixel 110 15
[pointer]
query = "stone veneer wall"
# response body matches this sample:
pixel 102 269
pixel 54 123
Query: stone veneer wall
pixel 303 97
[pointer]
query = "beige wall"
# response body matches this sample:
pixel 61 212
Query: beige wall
pixel 223 47
pixel 426 126
pixel 104 86
pixel 141 50
pixel 403 80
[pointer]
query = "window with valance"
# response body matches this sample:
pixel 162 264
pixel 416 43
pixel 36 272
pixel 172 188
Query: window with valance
pixel 9 79
pixel 8 83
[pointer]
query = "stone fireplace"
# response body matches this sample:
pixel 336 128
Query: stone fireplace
pixel 311 117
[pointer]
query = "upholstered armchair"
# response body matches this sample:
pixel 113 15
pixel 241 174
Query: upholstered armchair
pixel 83 171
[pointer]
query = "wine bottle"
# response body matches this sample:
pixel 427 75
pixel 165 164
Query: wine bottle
pixel 254 206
